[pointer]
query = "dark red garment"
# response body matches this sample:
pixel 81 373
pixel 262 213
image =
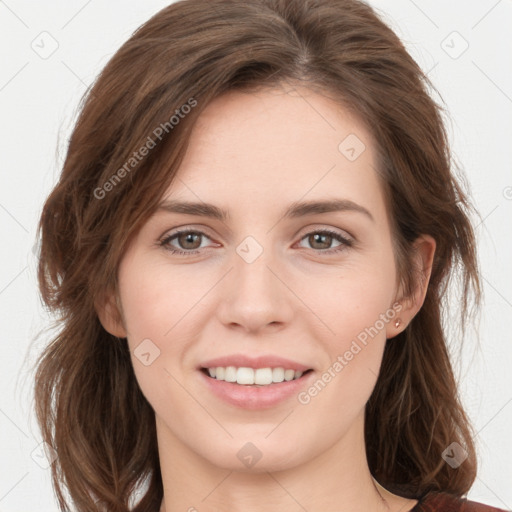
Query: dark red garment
pixel 444 502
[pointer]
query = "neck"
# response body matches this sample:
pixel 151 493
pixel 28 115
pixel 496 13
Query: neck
pixel 339 475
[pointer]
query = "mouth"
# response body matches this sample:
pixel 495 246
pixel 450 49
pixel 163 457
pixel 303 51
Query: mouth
pixel 256 381
pixel 254 377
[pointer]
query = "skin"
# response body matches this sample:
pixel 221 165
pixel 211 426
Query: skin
pixel 253 154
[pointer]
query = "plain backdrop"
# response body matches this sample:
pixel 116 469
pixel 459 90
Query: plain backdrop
pixel 50 53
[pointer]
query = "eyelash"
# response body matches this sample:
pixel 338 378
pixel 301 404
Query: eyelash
pixel 345 242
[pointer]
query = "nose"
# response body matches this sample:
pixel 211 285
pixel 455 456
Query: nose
pixel 255 295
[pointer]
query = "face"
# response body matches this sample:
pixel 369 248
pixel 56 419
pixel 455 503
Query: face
pixel 311 291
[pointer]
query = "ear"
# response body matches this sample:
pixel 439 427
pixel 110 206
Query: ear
pixel 425 247
pixel 110 314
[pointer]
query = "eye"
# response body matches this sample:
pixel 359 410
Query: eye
pixel 324 238
pixel 186 238
pixel 189 241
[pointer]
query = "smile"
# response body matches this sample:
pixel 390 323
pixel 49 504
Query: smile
pixel 253 376
pixel 255 388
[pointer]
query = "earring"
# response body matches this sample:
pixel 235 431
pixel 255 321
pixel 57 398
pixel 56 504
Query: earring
pixel 397 323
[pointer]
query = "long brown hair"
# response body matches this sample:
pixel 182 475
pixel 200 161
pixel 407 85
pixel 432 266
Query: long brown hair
pixel 88 403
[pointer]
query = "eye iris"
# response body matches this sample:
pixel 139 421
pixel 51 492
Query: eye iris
pixel 320 236
pixel 188 237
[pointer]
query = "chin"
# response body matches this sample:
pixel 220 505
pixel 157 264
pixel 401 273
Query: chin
pixel 257 456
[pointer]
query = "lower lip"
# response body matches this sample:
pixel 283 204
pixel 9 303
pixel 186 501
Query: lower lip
pixel 255 397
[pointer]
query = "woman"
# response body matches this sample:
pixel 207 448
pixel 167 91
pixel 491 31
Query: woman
pixel 293 356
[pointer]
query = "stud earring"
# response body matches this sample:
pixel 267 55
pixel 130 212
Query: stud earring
pixel 397 323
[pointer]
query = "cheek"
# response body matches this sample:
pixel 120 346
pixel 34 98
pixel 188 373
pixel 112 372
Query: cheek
pixel 355 351
pixel 152 305
pixel 148 304
pixel 357 310
pixel 159 308
pixel 152 298
pixel 354 300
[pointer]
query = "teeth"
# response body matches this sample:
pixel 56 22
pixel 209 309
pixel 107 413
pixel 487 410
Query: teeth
pixel 278 374
pixel 244 375
pixel 263 376
pixel 250 376
pixel 289 374
pixel 230 375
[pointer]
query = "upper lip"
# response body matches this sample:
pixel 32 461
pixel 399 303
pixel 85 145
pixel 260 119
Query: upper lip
pixel 263 361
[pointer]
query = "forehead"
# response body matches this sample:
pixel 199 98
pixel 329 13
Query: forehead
pixel 254 149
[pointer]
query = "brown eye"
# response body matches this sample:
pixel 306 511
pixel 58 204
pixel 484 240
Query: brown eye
pixel 189 240
pixel 186 242
pixel 321 241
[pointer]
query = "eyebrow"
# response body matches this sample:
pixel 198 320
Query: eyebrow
pixel 295 210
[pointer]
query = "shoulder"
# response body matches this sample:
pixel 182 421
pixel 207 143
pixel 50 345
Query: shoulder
pixel 444 502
